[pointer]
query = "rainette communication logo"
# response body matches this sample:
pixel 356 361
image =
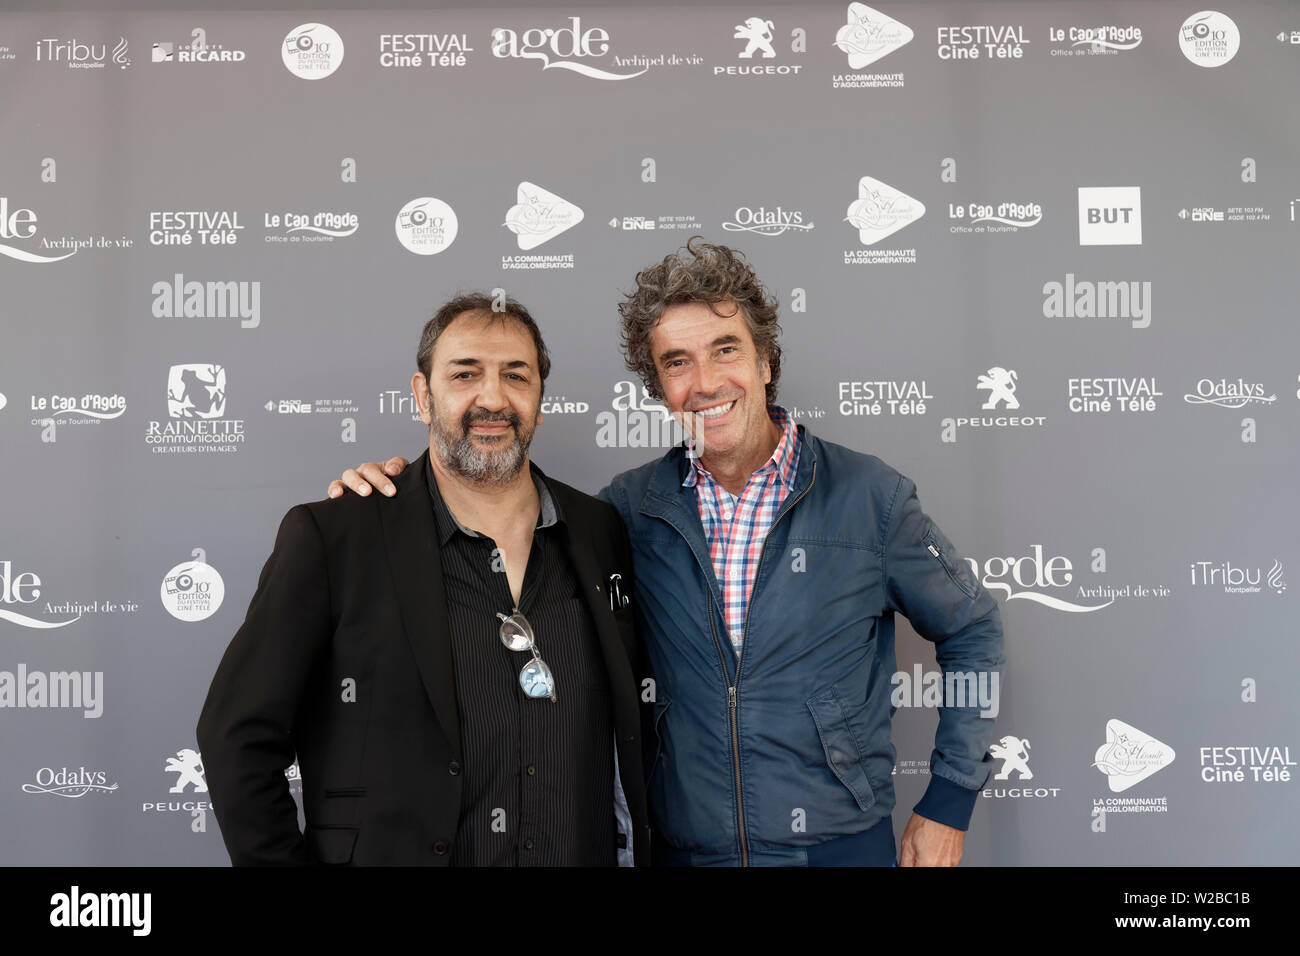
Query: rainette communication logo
pixel 578 49
pixel 1099 40
pixel 78 55
pixel 195 49
pixel 865 37
pixel 196 408
pixel 312 51
pixel 1129 756
pixel 193 590
pixel 426 226
pixel 1209 38
pixel 1110 215
pixel 538 216
pixel 880 211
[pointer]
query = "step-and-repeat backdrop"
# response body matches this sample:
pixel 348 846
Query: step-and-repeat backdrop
pixel 1039 257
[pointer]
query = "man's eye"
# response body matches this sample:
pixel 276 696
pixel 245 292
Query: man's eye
pixel 464 375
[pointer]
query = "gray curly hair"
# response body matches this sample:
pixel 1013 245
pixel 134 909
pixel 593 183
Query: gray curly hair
pixel 698 272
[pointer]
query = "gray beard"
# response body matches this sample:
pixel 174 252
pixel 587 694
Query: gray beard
pixel 462 457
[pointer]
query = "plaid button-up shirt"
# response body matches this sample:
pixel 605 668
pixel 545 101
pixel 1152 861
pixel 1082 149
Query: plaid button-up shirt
pixel 737 527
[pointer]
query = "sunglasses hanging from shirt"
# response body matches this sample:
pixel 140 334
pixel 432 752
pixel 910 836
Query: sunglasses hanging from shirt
pixel 536 678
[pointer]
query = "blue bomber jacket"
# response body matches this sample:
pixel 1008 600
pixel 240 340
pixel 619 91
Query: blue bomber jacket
pixel 801 721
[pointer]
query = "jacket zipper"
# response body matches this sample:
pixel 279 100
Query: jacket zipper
pixel 731 688
pixel 735 734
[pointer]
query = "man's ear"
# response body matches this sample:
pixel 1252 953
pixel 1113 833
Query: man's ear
pixel 420 389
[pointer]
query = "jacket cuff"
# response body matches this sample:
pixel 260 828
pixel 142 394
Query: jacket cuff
pixel 947 803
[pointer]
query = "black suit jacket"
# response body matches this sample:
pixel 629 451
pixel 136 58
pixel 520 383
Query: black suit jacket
pixel 345 660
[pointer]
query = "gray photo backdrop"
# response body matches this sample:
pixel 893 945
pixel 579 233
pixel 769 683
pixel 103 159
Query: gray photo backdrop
pixel 909 204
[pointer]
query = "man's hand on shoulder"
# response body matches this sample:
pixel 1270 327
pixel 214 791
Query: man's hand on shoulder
pixel 927 843
pixel 369 474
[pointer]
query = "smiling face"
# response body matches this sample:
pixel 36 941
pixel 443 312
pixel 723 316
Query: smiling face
pixel 708 364
pixel 482 398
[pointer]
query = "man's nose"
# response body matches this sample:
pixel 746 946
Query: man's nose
pixel 491 395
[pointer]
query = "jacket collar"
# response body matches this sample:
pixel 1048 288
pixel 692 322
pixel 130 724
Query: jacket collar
pixel 667 498
pixel 411 541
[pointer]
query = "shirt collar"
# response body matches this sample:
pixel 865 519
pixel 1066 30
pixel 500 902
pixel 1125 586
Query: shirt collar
pixel 782 462
pixel 448 524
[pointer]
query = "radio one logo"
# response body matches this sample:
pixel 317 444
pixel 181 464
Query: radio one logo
pixel 1129 756
pixel 538 216
pixel 426 226
pixel 869 35
pixel 570 45
pixel 1209 38
pixel 312 51
pixel 192 591
pixel 1110 215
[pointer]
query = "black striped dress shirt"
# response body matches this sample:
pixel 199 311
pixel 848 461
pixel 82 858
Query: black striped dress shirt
pixel 539 776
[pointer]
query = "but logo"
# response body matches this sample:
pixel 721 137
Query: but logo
pixel 1110 215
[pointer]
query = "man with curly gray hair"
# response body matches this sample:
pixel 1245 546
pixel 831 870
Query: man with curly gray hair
pixel 769 567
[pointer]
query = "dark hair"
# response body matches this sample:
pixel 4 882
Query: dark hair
pixel 699 272
pixel 492 308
